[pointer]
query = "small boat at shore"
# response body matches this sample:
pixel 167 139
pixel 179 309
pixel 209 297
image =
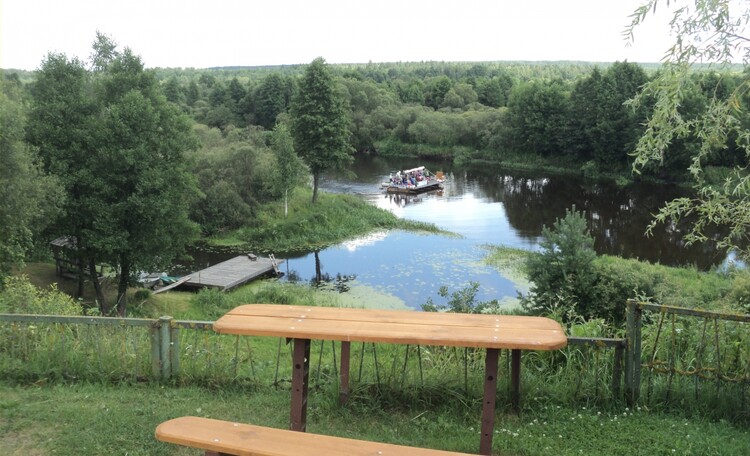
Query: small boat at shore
pixel 415 180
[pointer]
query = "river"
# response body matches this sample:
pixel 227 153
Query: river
pixel 398 269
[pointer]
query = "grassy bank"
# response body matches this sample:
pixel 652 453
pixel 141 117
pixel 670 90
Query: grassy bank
pixel 92 420
pixel 334 218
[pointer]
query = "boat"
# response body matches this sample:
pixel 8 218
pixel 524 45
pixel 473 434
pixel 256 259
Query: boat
pixel 154 279
pixel 415 180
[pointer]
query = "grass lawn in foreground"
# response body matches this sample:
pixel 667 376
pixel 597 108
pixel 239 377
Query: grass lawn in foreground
pixel 85 419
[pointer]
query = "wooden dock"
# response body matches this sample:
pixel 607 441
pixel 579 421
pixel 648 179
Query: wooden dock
pixel 233 273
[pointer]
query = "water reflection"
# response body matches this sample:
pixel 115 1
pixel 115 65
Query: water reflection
pixel 510 208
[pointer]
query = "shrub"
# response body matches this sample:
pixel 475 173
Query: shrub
pixel 21 296
pixel 211 301
pixel 462 301
pixel 563 271
pixel 738 296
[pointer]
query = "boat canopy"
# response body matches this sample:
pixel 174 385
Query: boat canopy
pixel 407 171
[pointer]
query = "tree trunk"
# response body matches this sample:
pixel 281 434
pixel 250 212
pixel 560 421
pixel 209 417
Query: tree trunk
pixel 316 177
pixel 286 202
pixel 97 287
pixel 122 287
pixel 81 276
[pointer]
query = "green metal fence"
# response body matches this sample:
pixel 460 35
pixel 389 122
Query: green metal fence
pixel 667 351
pixel 676 354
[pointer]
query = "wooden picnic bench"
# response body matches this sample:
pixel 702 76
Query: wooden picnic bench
pixel 303 323
pixel 218 438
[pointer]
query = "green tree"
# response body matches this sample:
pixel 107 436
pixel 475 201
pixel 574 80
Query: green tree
pixel 117 145
pixel 435 90
pixel 290 167
pixel 60 127
pixel 271 99
pixel 28 197
pixel 562 271
pixel 320 126
pixel 104 49
pixel 490 93
pixel 141 196
pixel 714 31
pixel 192 94
pixel 536 117
pixel 172 90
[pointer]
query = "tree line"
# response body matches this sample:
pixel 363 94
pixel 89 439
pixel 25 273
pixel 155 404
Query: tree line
pixel 565 112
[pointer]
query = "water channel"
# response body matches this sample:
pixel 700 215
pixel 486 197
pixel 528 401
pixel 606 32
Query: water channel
pixel 483 206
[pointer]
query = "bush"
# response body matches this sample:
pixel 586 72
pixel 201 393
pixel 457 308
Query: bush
pixel 738 296
pixel 563 271
pixel 462 301
pixel 21 296
pixel 212 302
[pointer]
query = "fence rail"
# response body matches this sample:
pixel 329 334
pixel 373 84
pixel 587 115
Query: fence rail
pixel 707 347
pixel 662 344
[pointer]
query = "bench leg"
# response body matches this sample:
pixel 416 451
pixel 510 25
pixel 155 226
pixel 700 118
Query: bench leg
pixel 515 380
pixel 345 355
pixel 488 407
pixel 300 376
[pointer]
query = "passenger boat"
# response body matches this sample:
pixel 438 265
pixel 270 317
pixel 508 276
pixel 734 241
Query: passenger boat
pixel 415 180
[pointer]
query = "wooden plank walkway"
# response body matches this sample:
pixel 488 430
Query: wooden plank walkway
pixel 232 273
pixel 172 286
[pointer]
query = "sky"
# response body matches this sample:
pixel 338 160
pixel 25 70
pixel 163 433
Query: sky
pixel 203 34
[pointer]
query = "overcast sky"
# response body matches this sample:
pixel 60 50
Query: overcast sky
pixel 201 33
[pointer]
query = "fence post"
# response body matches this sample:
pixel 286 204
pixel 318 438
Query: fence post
pixel 633 356
pixel 155 349
pixel 165 344
pixel 174 352
pixel 617 370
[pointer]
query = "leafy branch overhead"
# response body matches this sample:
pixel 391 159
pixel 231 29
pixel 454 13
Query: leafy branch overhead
pixel 713 32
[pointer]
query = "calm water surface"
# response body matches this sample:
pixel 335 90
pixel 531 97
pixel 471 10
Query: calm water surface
pixel 484 206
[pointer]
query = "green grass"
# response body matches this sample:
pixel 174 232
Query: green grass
pixel 334 218
pixel 90 419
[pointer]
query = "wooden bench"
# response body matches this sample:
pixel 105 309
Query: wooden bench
pixel 218 437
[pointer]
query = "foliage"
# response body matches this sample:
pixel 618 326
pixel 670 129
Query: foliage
pixel 21 296
pixel 289 168
pixel 738 295
pixel 562 271
pixel 461 301
pixel 536 116
pixel 704 31
pixel 320 123
pixel 28 197
pixel 211 302
pixel 309 227
pixel 236 171
pixel 272 97
pixel 118 146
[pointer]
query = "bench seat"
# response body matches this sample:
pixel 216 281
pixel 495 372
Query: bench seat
pixel 224 437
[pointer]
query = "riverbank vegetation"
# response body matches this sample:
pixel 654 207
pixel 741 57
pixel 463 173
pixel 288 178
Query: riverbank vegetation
pixel 335 217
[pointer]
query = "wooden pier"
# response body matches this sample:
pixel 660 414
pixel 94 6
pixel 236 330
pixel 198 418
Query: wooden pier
pixel 233 273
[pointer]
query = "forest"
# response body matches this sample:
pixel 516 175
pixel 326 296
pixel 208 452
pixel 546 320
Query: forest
pixel 136 163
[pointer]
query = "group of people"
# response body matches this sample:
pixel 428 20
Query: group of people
pixel 409 178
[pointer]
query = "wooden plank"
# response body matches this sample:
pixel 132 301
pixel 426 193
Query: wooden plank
pixel 250 440
pixel 173 285
pixel 232 273
pixel 486 331
pixel 344 314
